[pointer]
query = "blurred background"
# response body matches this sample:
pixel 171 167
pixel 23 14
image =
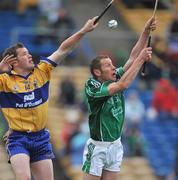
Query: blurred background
pixel 150 135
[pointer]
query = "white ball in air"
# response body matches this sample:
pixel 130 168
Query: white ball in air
pixel 112 23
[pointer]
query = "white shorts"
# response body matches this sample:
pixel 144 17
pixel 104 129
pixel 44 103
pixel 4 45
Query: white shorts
pixel 100 155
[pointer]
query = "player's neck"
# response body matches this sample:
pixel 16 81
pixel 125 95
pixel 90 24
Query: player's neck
pixel 100 80
pixel 22 72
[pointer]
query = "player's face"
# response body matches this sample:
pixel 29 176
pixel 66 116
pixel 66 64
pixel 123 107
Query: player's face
pixel 24 59
pixel 107 71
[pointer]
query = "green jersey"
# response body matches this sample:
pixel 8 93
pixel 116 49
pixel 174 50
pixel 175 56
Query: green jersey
pixel 106 113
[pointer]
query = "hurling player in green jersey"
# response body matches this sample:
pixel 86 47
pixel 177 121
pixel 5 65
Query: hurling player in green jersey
pixel 104 90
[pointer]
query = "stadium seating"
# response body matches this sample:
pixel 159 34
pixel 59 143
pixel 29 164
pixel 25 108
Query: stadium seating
pixel 161 138
pixel 57 115
pixel 16 27
pixel 9 21
pixel 23 5
pixel 137 17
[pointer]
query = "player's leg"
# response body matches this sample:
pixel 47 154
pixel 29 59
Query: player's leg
pixel 18 155
pixel 41 156
pixel 43 170
pixel 90 177
pixel 93 160
pixel 108 175
pixel 21 167
pixel 114 161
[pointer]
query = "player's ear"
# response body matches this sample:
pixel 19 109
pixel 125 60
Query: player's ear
pixel 15 63
pixel 97 72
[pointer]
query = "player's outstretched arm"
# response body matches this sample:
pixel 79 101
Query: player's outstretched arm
pixel 69 44
pixel 128 77
pixel 150 25
pixel 6 63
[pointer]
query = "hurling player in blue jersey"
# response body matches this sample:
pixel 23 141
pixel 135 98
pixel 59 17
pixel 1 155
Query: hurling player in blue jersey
pixel 24 90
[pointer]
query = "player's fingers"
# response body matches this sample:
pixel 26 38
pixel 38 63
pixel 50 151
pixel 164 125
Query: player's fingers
pixel 95 22
pixel 94 18
pixel 9 57
pixel 12 59
pixel 149 57
pixel 153 28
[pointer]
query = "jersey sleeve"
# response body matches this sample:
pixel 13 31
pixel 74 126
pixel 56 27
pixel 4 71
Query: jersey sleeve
pixel 1 80
pixel 46 65
pixel 95 89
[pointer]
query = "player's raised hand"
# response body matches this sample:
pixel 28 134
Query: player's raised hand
pixel 151 24
pixel 146 54
pixel 90 25
pixel 6 63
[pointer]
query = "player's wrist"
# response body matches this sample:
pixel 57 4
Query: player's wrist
pixel 146 31
pixel 82 32
pixel 140 59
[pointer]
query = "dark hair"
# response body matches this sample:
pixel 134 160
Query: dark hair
pixel 12 50
pixel 95 63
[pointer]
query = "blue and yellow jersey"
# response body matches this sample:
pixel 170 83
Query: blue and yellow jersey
pixel 24 100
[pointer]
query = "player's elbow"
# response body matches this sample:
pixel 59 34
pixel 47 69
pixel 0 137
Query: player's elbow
pixel 118 86
pixel 124 85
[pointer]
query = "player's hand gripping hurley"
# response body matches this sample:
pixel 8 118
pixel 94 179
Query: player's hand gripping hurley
pixel 149 40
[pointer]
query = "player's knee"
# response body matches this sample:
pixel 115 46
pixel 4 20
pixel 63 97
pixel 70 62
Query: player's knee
pixel 23 175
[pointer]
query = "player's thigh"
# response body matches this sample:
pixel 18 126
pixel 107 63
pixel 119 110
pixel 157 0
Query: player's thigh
pixel 90 177
pixel 108 175
pixel 21 166
pixel 43 170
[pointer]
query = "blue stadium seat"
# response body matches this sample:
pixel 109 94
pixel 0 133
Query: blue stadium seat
pixel 10 20
pixel 160 139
